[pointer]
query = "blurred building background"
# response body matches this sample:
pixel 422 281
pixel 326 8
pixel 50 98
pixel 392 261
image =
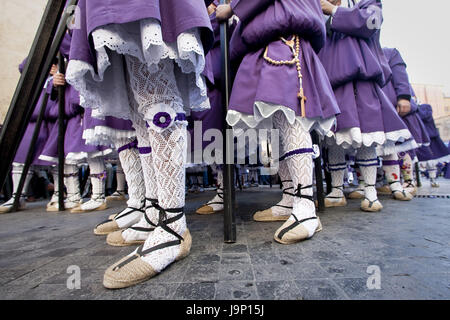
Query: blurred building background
pixel 19 20
pixel 434 96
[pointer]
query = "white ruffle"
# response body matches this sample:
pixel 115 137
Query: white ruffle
pixel 435 162
pixel 106 136
pixel 142 39
pixel 353 138
pixel 392 148
pixel 77 157
pixel 262 119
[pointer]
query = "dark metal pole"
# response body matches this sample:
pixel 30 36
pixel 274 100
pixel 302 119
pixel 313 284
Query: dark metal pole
pixel 228 169
pixel 31 81
pixel 31 150
pixel 418 178
pixel 61 133
pixel 318 173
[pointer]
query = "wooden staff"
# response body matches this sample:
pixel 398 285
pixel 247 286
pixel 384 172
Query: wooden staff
pixel 228 147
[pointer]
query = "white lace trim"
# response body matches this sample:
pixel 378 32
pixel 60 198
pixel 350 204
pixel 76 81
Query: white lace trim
pixel 392 148
pixel 435 162
pixel 354 138
pixel 148 46
pixel 262 119
pixel 77 157
pixel 106 136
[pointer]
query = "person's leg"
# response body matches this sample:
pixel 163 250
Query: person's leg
pixel 432 172
pixel 391 168
pixel 119 194
pixel 134 175
pixel 297 146
pixel 407 173
pixel 358 193
pixel 216 204
pixel 17 169
pixel 97 174
pixel 170 241
pixel 139 231
pixel 366 158
pixel 72 183
pixel 283 209
pixel 337 166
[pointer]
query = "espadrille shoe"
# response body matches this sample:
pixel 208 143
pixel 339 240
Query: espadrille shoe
pixel 137 233
pixel 331 202
pixel 123 219
pixel 213 206
pixel 7 206
pixel 111 217
pixel 384 190
pixel 133 269
pixel 116 239
pixel 117 196
pixel 95 204
pixel 53 207
pixel 409 187
pixel 282 210
pixel 269 216
pixel 402 195
pixel 336 197
pixel 293 231
pixel 434 184
pixel 356 194
pixel 371 206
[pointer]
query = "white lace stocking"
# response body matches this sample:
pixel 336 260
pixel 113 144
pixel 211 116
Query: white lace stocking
pixel 120 177
pixel 134 175
pixel 17 170
pixel 294 137
pixel 154 92
pixel 366 158
pixel 392 172
pixel 72 183
pixel 337 165
pixel 136 231
pixel 169 158
pixel 406 167
pixel 287 200
pixel 217 202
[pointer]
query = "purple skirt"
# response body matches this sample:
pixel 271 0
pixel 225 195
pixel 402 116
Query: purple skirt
pixel 75 147
pixel 435 153
pixel 258 80
pixel 105 132
pixel 417 128
pixel 369 118
pixel 22 152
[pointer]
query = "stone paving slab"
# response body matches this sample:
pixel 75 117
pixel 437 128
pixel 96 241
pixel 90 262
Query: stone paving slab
pixel 408 241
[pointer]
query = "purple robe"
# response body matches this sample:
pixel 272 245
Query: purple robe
pixel 398 88
pixel 175 17
pixel 257 80
pixel 24 146
pixel 73 137
pixel 437 151
pixel 358 68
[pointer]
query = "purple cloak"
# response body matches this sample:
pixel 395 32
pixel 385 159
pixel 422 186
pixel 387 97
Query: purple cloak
pixel 437 151
pixel 400 88
pixel 259 82
pixel 22 151
pixel 75 148
pixel 104 87
pixel 358 69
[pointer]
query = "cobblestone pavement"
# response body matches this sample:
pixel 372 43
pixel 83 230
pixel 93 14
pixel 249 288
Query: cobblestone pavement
pixel 408 242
